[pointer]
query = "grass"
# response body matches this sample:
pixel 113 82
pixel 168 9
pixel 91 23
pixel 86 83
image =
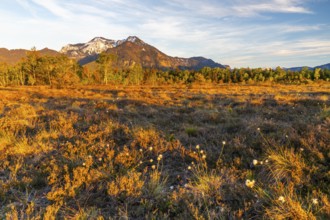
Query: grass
pixel 167 152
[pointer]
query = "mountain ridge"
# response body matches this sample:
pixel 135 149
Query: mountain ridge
pixel 15 55
pixel 322 66
pixel 133 50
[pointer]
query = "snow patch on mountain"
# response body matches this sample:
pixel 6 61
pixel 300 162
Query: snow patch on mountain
pixel 96 46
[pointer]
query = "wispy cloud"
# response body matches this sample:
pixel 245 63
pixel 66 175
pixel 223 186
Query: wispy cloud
pixel 53 7
pixel 310 46
pixel 242 8
pixel 27 6
pixel 252 8
pixel 234 32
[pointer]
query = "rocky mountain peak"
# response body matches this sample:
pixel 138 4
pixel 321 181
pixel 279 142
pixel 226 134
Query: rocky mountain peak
pixel 133 50
pixel 135 39
pixel 96 46
pixel 98 39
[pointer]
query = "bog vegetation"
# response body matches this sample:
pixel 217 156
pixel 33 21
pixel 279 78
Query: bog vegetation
pixel 189 150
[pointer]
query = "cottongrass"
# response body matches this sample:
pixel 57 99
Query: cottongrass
pixel 281 199
pixel 315 201
pixel 250 183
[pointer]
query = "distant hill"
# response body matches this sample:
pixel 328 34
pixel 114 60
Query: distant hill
pixel 14 56
pixel 11 56
pixel 325 66
pixel 131 51
pixel 297 69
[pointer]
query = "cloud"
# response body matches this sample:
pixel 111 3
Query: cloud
pixel 241 8
pixel 225 31
pixel 300 28
pixel 306 51
pixel 311 47
pixel 54 7
pixel 27 6
pixel 252 8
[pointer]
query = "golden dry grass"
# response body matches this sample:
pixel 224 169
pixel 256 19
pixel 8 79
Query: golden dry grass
pixel 100 152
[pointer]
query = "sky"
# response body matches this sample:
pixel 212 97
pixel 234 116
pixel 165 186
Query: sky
pixel 238 33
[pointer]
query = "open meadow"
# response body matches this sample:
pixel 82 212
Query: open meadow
pixel 167 152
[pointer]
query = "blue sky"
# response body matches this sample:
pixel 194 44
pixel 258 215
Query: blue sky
pixel 239 33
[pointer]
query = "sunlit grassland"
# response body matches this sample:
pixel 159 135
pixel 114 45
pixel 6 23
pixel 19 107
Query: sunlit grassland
pixel 167 152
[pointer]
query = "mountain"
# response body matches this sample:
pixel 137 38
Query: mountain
pixel 325 66
pixel 96 46
pixel 297 69
pixel 14 56
pixel 131 51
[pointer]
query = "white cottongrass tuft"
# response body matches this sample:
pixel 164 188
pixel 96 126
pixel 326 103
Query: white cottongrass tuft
pixel 250 183
pixel 281 199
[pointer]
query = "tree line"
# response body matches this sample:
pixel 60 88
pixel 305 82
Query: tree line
pixel 37 69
